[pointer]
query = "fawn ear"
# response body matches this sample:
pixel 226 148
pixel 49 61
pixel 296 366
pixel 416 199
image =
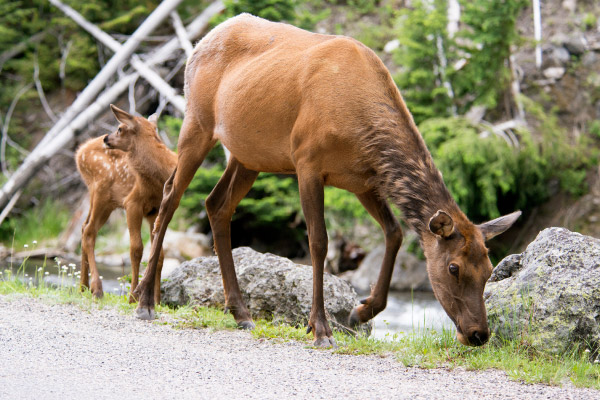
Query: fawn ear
pixel 123 116
pixel 498 225
pixel 153 119
pixel 441 224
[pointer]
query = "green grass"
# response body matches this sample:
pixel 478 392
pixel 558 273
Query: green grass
pixel 424 349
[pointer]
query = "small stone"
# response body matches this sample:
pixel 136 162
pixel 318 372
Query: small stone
pixel 576 45
pixel 554 72
pixel 391 46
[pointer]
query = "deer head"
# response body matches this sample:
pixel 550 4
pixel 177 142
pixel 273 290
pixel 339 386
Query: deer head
pixel 131 129
pixel 459 267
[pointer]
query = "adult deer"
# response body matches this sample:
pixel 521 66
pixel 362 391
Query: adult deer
pixel 324 107
pixel 125 169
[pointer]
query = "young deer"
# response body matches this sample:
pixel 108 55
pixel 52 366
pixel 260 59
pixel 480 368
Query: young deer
pixel 125 169
pixel 324 107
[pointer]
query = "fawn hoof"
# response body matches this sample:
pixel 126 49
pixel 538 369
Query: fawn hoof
pixel 325 342
pixel 144 314
pixel 247 325
pixel 98 294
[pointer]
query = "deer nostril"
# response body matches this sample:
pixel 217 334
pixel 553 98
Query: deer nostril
pixel 478 338
pixel 105 138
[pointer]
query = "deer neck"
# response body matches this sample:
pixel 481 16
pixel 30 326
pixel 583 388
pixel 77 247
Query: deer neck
pixel 152 163
pixel 410 179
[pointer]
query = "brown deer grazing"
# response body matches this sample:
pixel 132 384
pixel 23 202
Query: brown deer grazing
pixel 125 169
pixel 324 107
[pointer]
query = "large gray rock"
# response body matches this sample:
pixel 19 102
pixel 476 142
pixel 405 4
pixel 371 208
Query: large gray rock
pixel 272 287
pixel 549 294
pixel 410 273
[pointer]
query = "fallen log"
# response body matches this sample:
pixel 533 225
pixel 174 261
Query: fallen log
pixel 63 136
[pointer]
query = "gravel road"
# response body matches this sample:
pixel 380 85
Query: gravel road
pixel 61 352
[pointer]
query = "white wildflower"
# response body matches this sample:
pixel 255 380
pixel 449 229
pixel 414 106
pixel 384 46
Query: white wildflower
pixel 26 245
pixel 34 242
pixel 40 268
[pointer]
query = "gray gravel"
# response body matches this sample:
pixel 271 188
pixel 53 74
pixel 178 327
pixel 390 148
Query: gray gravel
pixel 62 352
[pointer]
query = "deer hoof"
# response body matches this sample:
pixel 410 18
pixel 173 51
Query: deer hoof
pixel 248 325
pixel 325 342
pixel 145 314
pixel 354 319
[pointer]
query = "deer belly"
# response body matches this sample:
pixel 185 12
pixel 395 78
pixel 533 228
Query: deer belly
pixel 259 152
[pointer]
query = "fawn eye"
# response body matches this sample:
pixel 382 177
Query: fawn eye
pixel 453 268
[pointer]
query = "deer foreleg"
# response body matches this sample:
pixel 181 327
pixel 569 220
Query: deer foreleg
pixel 377 301
pixel 161 258
pixel 193 146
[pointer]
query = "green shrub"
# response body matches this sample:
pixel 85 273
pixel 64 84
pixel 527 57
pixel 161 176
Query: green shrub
pixel 487 177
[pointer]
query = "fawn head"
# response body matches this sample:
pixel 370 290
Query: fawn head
pixel 131 131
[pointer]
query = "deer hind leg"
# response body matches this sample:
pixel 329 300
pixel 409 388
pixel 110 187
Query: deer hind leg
pixel 151 220
pixel 134 215
pixel 312 199
pixel 96 219
pixel 377 300
pixel 220 206
pixel 194 145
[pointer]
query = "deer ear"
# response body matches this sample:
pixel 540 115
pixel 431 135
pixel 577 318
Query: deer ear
pixel 441 224
pixel 497 226
pixel 123 116
pixel 153 119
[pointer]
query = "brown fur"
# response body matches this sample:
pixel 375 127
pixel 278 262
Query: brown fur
pixel 324 107
pixel 126 169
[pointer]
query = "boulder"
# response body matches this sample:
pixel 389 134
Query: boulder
pixel 410 273
pixel 273 287
pixel 550 294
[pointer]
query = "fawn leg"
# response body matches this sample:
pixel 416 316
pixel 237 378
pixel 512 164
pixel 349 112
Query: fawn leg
pixel 220 206
pixel 96 219
pixel 134 215
pixel 84 281
pixel 377 301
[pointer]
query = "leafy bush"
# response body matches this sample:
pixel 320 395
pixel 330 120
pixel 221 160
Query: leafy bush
pixel 488 178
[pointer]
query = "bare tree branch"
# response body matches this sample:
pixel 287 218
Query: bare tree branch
pixel 186 45
pixel 5 125
pixel 10 205
pixel 40 89
pixel 132 97
pixel 145 71
pixel 63 61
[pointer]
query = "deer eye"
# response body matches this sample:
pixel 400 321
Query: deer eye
pixel 453 268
